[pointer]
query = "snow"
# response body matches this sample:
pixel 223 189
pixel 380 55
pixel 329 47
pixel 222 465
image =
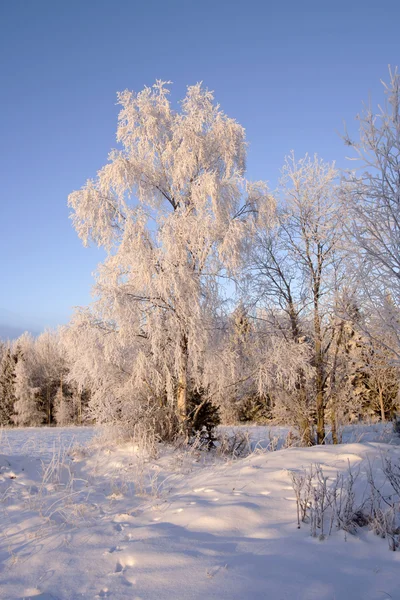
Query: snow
pixel 91 522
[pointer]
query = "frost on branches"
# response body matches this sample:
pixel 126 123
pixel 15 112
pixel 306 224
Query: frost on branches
pixel 171 208
pixel 373 194
pixel 295 269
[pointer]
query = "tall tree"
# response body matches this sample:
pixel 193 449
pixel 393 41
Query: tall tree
pixel 169 208
pixel 295 264
pixel 373 194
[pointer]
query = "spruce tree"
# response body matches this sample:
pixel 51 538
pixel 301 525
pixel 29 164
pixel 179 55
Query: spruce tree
pixel 7 387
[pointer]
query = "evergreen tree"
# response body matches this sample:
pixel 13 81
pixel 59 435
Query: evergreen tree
pixel 7 387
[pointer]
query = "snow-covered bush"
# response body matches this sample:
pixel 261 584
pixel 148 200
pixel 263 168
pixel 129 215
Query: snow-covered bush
pixel 332 503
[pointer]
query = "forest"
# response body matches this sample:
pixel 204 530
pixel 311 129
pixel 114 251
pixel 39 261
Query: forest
pixel 222 301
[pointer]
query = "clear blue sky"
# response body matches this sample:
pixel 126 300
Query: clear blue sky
pixel 290 72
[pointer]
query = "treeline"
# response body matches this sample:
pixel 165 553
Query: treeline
pixel 34 386
pixel 361 381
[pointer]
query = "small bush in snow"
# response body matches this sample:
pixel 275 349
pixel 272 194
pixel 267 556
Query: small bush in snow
pixel 331 504
pixel 233 444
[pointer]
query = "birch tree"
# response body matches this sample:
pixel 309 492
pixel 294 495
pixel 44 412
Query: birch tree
pixel 169 208
pixel 373 194
pixel 294 265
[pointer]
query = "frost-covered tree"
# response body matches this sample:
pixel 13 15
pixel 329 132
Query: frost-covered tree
pixel 169 208
pixel 344 388
pixel 378 374
pixel 7 386
pixel 311 226
pixel 63 408
pixel 383 384
pixel 294 269
pixel 37 377
pixel 27 406
pixel 50 369
pixel 373 194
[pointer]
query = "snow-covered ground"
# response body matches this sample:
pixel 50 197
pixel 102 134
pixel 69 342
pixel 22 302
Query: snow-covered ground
pixel 93 522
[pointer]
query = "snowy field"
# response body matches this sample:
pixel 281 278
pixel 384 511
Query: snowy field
pixel 82 521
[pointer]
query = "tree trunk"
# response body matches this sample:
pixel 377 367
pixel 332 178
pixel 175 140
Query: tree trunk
pixel 306 433
pixel 80 409
pixel 48 405
pixel 381 404
pixel 305 427
pixel 319 381
pixel 333 412
pixel 335 438
pixel 182 387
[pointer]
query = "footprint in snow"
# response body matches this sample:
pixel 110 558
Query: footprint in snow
pixel 119 568
pixel 123 563
pixel 114 549
pixel 215 570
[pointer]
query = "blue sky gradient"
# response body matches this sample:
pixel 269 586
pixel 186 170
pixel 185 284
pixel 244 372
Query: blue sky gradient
pixel 289 72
